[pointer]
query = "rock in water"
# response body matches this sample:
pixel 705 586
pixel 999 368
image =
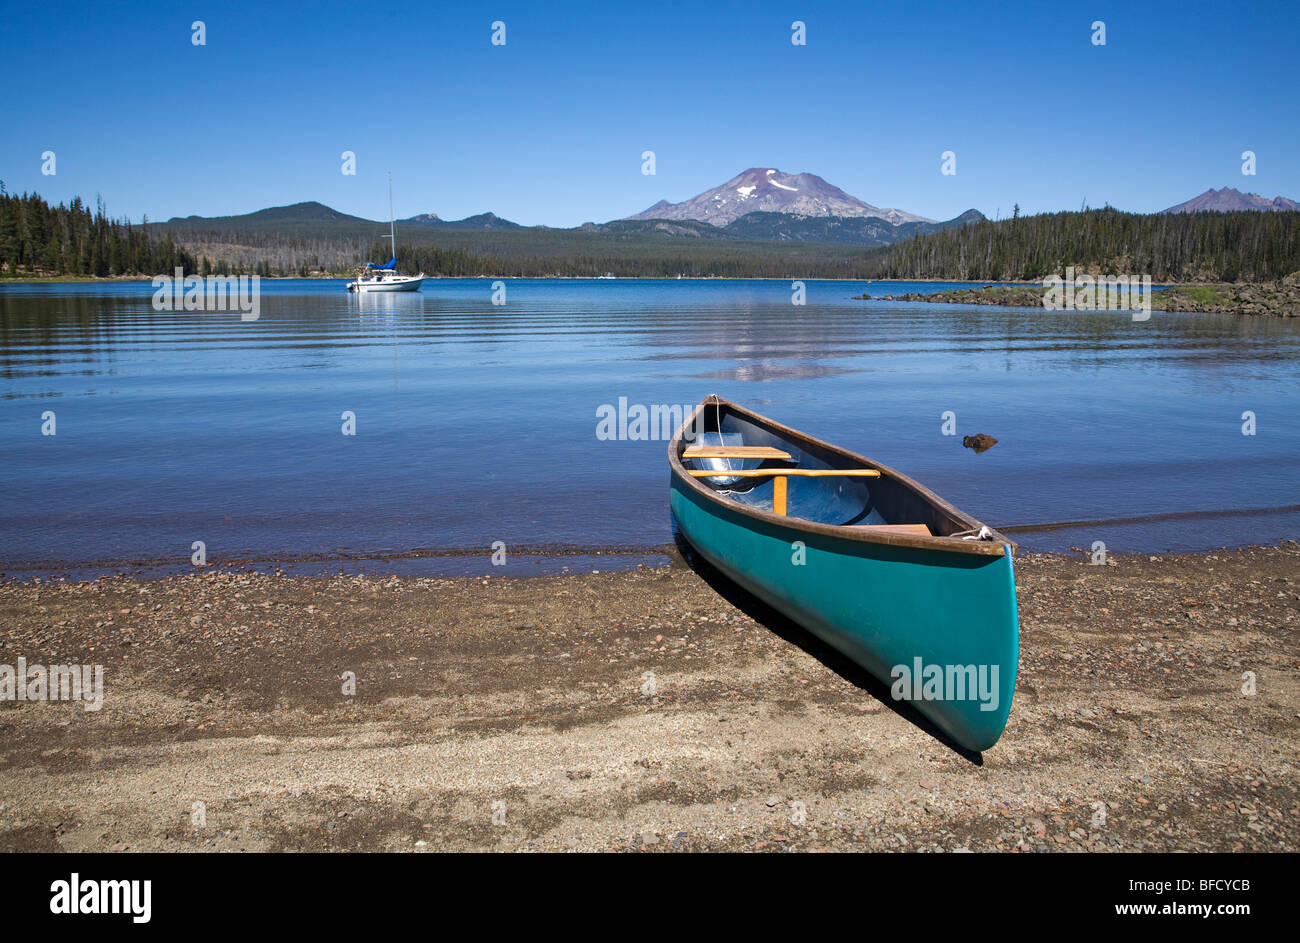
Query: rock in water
pixel 980 443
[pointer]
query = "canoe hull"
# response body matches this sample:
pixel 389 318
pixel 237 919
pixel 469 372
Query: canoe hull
pixel 883 604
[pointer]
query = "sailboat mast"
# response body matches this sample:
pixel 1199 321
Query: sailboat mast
pixel 392 231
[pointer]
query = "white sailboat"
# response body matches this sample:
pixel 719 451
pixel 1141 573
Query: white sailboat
pixel 385 277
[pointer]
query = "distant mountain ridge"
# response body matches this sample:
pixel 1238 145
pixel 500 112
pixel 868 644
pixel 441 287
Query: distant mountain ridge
pixel 478 221
pixel 312 211
pixel 292 212
pixel 784 227
pixel 312 220
pixel 767 190
pixel 1241 246
pixel 1229 200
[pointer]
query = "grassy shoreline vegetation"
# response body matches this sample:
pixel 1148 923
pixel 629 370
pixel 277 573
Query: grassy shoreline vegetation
pixel 1278 299
pixel 40 241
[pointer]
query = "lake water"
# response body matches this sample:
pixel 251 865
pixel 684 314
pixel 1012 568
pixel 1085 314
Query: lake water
pixel 476 422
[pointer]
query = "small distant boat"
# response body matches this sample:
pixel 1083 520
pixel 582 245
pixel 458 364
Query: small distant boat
pixel 607 275
pixel 385 277
pixel 873 563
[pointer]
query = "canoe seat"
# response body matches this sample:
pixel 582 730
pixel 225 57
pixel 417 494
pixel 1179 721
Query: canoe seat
pixel 734 451
pixel 919 530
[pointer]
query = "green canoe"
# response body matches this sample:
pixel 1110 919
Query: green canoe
pixel 915 591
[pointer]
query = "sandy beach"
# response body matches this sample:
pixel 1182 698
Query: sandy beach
pixel 649 710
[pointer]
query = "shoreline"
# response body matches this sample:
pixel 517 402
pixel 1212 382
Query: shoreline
pixel 523 562
pixel 532 560
pixel 92 279
pixel 656 709
pixel 1272 299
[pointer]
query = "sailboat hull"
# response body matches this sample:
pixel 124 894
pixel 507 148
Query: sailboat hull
pixel 394 284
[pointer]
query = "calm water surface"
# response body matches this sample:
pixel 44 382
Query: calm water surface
pixel 477 423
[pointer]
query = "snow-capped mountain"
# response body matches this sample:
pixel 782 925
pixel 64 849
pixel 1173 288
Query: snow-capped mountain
pixel 761 189
pixel 1229 200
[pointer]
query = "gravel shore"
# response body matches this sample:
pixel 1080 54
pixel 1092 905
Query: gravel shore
pixel 653 710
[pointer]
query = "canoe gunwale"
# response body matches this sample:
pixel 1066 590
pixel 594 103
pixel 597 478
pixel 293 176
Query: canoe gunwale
pixel 995 547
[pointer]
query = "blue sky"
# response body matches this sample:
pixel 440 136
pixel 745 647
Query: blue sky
pixel 550 127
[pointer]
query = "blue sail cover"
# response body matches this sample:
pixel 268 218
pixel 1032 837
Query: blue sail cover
pixel 390 264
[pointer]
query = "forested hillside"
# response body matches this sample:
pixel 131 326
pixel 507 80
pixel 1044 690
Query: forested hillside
pixel 38 240
pixel 1245 246
pixel 528 253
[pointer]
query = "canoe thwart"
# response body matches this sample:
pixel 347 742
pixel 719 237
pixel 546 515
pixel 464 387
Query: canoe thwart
pixel 735 451
pixel 800 472
pixel 920 530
